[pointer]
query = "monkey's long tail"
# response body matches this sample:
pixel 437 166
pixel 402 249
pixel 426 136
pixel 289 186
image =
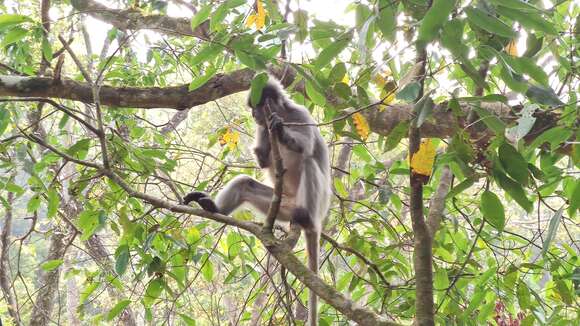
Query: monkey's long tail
pixel 313 250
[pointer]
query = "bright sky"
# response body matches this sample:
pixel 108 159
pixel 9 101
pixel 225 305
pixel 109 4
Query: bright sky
pixel 324 10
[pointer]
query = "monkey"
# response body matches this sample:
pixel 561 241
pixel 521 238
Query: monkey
pixel 306 190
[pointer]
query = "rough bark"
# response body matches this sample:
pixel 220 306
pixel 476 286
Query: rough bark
pixel 134 19
pixel 4 262
pixel 423 250
pixel 100 255
pixel 48 282
pixel 442 124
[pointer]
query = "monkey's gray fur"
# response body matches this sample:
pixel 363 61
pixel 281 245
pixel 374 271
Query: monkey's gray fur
pixel 306 184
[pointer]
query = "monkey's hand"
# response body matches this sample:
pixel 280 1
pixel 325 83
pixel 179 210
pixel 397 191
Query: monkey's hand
pixel 275 123
pixel 202 199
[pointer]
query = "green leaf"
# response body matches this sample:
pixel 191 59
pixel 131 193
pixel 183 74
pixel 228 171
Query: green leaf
pixel 434 19
pixel 565 293
pixel 451 37
pixel 207 53
pixel 330 52
pixel 339 188
pixel 314 95
pixel 515 4
pixel 4 120
pixel 514 163
pixel 258 84
pixel 387 20
pixel 51 265
pixel 46 49
pixel 395 136
pixel 53 202
pixel 337 73
pixel 202 79
pixel 13 36
pixel 462 186
pixel 201 16
pixel 489 23
pixel 117 309
pixel 362 152
pixel 122 259
pixel 523 294
pixel 552 229
pixel 514 189
pixel 554 136
pixel 490 120
pixel 492 209
pixel 409 93
pixel 187 320
pixel 33 204
pixel 529 19
pixel 10 20
pixel 207 268
pixel 301 20
pixel 574 200
pixel 543 95
pixel 80 149
pixel 87 291
pixel 154 290
pixel 423 110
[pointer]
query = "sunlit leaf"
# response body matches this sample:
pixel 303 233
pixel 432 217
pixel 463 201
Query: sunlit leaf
pixel 51 265
pixel 434 19
pixel 201 16
pixel 361 125
pixel 117 309
pixel 422 161
pixel 489 23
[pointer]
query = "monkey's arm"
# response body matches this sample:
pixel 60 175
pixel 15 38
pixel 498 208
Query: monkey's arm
pixel 262 149
pixel 299 141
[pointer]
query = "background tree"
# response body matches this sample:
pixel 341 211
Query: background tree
pixel 453 128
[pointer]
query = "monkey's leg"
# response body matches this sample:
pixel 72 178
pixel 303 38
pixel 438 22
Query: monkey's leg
pixel 242 189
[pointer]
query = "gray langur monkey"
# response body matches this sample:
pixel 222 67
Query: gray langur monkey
pixel 306 188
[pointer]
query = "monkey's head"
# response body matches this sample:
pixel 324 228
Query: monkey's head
pixel 271 93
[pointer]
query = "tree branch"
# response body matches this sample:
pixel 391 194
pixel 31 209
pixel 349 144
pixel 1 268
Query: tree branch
pixel 278 248
pixel 444 122
pixel 133 19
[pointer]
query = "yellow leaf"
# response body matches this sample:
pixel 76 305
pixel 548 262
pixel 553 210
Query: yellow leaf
pixel 251 20
pixel 422 161
pixel 512 48
pixel 382 77
pixel 259 18
pixel 345 79
pixel 361 125
pixel 230 138
pixel 388 94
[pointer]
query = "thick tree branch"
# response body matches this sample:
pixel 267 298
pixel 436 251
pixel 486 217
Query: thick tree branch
pixel 444 122
pixel 133 19
pixel 437 202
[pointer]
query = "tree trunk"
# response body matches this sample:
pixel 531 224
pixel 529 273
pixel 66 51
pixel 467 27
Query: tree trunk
pixel 49 282
pixel 5 263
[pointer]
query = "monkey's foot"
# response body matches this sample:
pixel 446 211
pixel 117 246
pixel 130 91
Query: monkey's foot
pixel 202 199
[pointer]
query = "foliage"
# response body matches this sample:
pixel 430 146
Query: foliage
pixel 507 247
